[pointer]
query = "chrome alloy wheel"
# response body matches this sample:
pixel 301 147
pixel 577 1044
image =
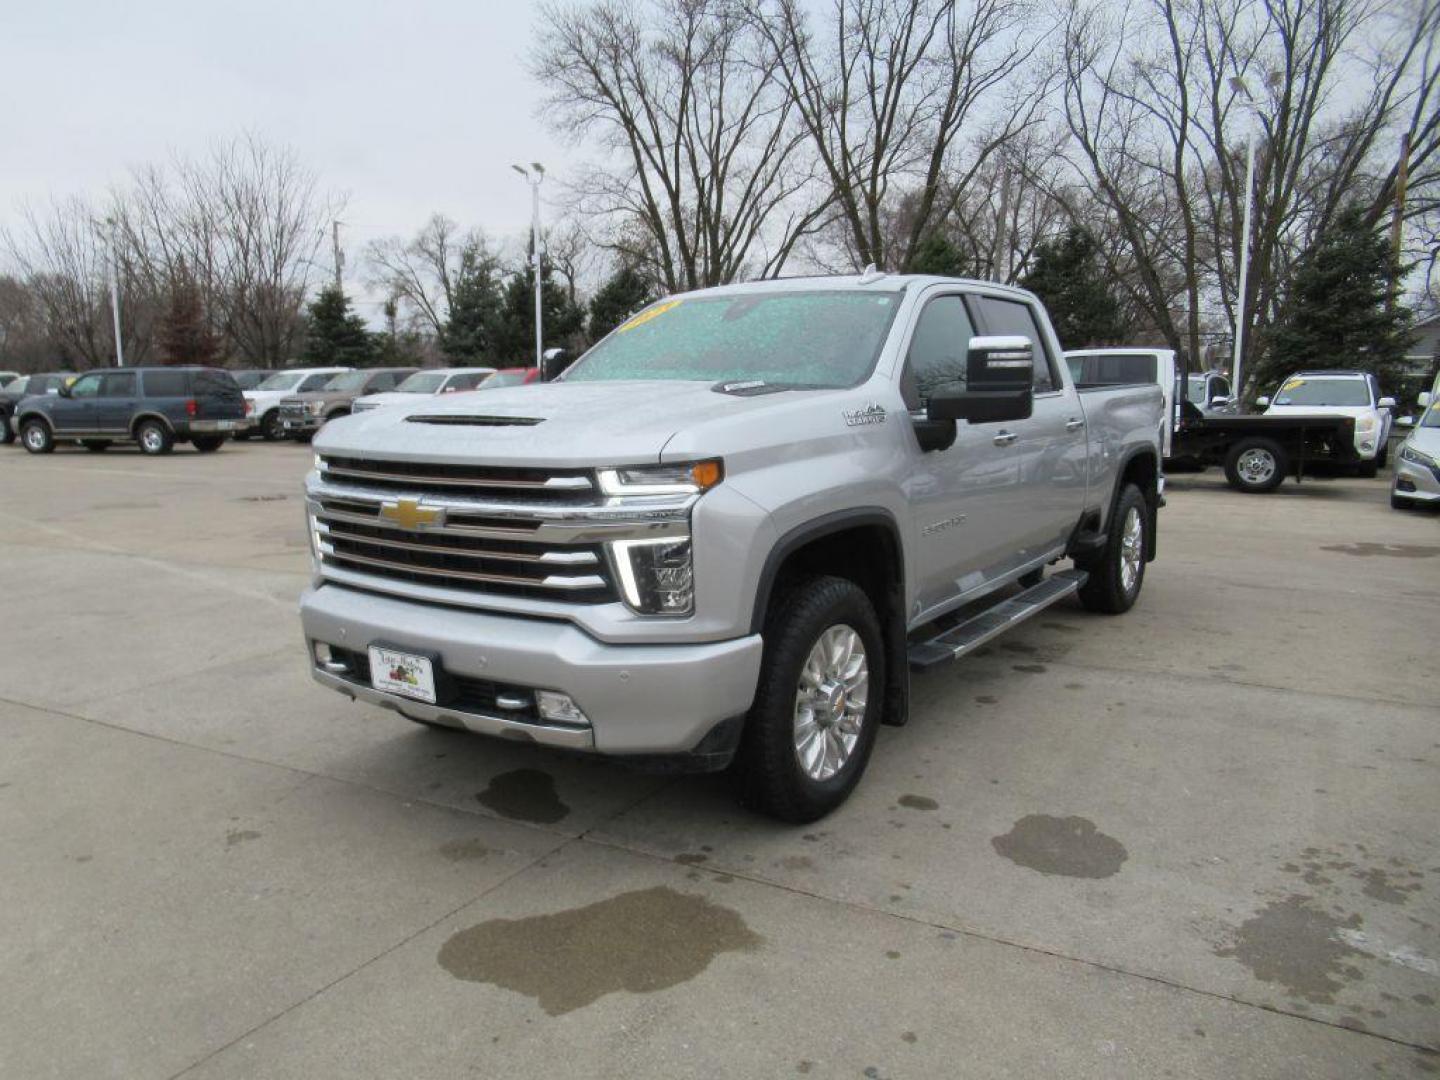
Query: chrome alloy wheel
pixel 152 439
pixel 1132 549
pixel 35 437
pixel 830 702
pixel 1256 465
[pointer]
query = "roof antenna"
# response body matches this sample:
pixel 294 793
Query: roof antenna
pixel 871 274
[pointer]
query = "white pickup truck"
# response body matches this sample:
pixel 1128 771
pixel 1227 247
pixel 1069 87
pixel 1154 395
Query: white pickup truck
pixel 731 530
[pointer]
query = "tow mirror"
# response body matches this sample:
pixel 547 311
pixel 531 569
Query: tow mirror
pixel 1405 421
pixel 1262 402
pixel 1219 399
pixel 999 383
pixel 553 362
pixel 1387 403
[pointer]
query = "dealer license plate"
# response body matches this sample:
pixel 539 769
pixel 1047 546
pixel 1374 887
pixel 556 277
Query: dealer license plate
pixel 402 673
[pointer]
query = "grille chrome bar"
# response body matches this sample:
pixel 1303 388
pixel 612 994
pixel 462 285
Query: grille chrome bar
pixel 552 581
pixel 552 483
pixel 548 558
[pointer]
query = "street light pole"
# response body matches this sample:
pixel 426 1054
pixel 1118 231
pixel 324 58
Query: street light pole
pixel 534 179
pixel 1235 371
pixel 115 294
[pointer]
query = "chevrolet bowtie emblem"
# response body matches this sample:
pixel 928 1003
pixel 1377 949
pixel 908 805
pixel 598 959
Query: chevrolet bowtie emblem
pixel 409 514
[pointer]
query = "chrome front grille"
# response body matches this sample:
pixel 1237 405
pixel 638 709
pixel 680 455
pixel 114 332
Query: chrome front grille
pixel 530 533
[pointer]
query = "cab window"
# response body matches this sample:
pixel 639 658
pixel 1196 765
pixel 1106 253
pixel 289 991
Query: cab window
pixel 938 347
pixel 116 384
pixel 1012 318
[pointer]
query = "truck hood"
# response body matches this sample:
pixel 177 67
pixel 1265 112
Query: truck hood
pixel 1357 411
pixel 560 425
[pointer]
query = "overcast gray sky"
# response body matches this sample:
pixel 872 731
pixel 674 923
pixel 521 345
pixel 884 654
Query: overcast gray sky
pixel 407 108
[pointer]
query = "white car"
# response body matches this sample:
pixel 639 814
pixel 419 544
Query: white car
pixel 1339 393
pixel 431 381
pixel 262 405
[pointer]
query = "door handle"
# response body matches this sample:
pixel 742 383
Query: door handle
pixel 1074 424
pixel 1005 438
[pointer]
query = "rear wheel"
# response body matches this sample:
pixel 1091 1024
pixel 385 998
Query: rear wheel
pixel 1255 466
pixel 1118 570
pixel 154 437
pixel 35 434
pixel 96 446
pixel 270 428
pixel 207 444
pixel 817 707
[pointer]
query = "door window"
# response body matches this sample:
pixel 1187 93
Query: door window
pixel 938 348
pixel 117 384
pixel 468 381
pixel 1014 318
pixel 313 382
pixel 87 386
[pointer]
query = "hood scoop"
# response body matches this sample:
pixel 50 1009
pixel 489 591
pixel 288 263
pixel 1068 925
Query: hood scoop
pixel 464 420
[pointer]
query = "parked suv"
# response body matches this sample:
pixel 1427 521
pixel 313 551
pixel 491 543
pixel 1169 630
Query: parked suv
pixel 1355 394
pixel 154 407
pixel 23 387
pixel 433 381
pixel 304 414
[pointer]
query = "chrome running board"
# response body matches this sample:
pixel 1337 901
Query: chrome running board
pixel 975 631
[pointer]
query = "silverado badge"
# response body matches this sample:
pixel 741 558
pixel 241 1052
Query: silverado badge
pixel 409 514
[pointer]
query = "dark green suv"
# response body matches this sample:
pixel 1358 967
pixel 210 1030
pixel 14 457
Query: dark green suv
pixel 155 407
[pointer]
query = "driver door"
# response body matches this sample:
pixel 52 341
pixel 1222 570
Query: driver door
pixel 75 413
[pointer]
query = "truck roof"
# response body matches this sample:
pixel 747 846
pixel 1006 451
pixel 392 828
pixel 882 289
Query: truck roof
pixel 873 281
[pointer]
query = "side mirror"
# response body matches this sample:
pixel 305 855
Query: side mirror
pixel 1262 402
pixel 1387 403
pixel 1405 421
pixel 63 389
pixel 1423 400
pixel 999 383
pixel 553 363
pixel 1219 399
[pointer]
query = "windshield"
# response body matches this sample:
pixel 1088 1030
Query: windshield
pixel 504 378
pixel 349 380
pixel 422 382
pixel 810 339
pixel 283 380
pixel 1432 416
pixel 1324 392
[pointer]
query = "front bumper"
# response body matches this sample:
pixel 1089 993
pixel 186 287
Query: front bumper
pixel 1415 481
pixel 306 424
pixel 639 699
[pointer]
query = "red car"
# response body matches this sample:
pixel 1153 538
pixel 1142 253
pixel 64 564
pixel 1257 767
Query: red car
pixel 510 376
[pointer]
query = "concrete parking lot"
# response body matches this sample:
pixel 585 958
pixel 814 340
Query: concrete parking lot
pixel 1199 840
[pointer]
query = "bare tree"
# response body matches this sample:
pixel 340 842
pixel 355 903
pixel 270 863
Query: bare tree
pixel 702 165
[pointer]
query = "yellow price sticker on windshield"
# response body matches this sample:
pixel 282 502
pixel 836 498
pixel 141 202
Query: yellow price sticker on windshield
pixel 648 314
pixel 1293 384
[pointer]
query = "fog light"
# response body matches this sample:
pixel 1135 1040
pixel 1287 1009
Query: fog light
pixel 559 708
pixel 1367 445
pixel 322 653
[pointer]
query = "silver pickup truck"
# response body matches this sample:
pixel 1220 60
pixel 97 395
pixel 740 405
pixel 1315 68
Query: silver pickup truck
pixel 731 531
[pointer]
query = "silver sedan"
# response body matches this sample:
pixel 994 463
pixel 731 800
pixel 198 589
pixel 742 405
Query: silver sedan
pixel 1417 466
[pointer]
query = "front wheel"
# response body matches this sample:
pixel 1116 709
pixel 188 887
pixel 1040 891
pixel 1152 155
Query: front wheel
pixel 35 434
pixel 1368 470
pixel 7 432
pixel 817 707
pixel 1255 466
pixel 1118 570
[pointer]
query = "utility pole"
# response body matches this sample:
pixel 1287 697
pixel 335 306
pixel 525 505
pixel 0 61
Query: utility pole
pixel 339 255
pixel 1237 84
pixel 115 291
pixel 534 176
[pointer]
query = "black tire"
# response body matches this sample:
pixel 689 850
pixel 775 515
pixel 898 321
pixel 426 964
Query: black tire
pixel 154 437
pixel 270 429
pixel 767 772
pixel 1383 457
pixel 36 437
pixel 96 446
pixel 7 432
pixel 1368 470
pixel 1400 502
pixel 1105 590
pixel 1255 466
pixel 207 444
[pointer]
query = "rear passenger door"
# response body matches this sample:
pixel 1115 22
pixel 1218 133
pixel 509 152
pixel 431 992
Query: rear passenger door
pixel 1048 450
pixel 116 401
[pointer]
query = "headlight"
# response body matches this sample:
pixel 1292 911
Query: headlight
pixel 657 577
pixel 1365 423
pixel 688 479
pixel 316 408
pixel 1409 453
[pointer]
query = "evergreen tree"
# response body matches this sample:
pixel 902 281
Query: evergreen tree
pixel 184 332
pixel 625 292
pixel 475 302
pixel 935 254
pixel 336 336
pixel 513 342
pixel 1066 275
pixel 1338 312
